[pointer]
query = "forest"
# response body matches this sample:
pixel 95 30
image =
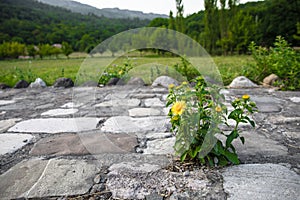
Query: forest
pixel 225 27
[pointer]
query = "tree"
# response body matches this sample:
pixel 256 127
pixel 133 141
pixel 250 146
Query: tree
pixel 66 49
pixel 171 24
pixel 179 17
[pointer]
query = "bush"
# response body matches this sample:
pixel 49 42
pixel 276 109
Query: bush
pixel 196 115
pixel 281 60
pixel 186 69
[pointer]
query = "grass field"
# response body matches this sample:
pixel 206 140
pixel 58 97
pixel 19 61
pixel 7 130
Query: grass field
pixel 12 71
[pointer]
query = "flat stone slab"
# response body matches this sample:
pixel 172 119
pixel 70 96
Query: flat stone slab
pixel 160 146
pixel 82 144
pixel 154 102
pixel 10 143
pixel 262 182
pixel 38 178
pixel 6 124
pixel 59 112
pixel 5 102
pixel 125 124
pixel 71 105
pixel 55 125
pixel 120 102
pixel 295 99
pixel 256 145
pixel 143 112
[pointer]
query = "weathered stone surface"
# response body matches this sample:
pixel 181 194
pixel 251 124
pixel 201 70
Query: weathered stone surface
pixel 164 81
pixel 160 146
pixel 42 178
pixel 136 81
pixel 153 136
pixel 295 99
pixel 154 102
pixel 55 125
pixel 6 124
pixel 71 105
pixel 261 181
pixel 125 124
pixel 137 167
pixel 120 102
pixel 9 143
pixel 63 82
pixel 44 106
pixel 89 84
pixel 21 84
pixel 5 102
pixel 60 112
pixel 113 81
pixel 268 108
pixel 82 144
pixel 265 146
pixel 270 80
pixel 38 83
pixel 143 112
pixel 242 82
pixel 4 86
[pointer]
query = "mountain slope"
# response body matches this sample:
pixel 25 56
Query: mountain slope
pixel 106 12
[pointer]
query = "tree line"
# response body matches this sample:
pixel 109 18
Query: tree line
pixel 226 27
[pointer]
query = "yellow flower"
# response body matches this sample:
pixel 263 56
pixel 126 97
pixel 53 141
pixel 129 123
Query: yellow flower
pixel 245 97
pixel 175 118
pixel 120 72
pixel 184 83
pixel 178 107
pixel 171 86
pixel 218 109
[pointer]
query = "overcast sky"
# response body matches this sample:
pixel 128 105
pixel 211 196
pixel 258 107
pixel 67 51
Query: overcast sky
pixel 147 6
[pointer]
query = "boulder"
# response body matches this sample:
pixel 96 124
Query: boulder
pixel 136 81
pixel 21 84
pixel 242 82
pixel 270 80
pixel 38 83
pixel 112 81
pixel 63 82
pixel 164 81
pixel 4 86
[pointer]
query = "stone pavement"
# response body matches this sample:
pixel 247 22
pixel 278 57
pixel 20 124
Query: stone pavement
pixel 113 143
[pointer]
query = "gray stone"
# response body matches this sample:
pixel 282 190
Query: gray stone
pixel 10 143
pixel 120 102
pixel 164 81
pixel 265 146
pixel 136 167
pixel 136 81
pixel 242 82
pixel 125 124
pixel 63 82
pixel 261 181
pixel 153 136
pixel 59 112
pixel 113 81
pixel 38 83
pixel 42 178
pixel 71 105
pixel 5 102
pixel 160 146
pixel 295 99
pixel 55 125
pixel 4 86
pixel 6 124
pixel 21 84
pixel 265 99
pixel 154 102
pixel 44 106
pixel 143 112
pixel 87 143
pixel 268 108
pixel 89 84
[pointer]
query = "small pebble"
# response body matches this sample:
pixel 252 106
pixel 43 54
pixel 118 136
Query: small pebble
pixel 186 173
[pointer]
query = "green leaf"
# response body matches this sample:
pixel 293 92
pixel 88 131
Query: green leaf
pixel 222 161
pixel 183 156
pixel 232 157
pixel 233 135
pixel 242 139
pixel 250 121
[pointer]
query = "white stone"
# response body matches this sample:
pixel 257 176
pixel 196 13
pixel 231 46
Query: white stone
pixel 71 105
pixel 59 112
pixel 295 99
pixel 153 136
pixel 160 146
pixel 242 82
pixel 37 178
pixel 6 124
pixel 10 143
pixel 5 102
pixel 119 102
pixel 126 124
pixel 164 81
pixel 154 102
pixel 38 83
pixel 143 112
pixel 55 125
pixel 137 167
pixel 261 182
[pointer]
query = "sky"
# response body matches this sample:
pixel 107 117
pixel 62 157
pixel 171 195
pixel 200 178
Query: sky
pixel 148 6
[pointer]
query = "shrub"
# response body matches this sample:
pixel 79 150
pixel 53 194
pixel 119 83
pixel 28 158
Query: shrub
pixel 196 115
pixel 281 60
